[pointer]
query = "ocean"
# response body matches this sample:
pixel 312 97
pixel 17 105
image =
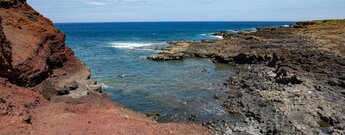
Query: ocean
pixel 115 53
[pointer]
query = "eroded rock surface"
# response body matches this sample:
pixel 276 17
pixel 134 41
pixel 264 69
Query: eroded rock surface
pixel 290 79
pixel 34 53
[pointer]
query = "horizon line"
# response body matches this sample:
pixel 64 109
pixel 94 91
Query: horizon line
pixel 166 21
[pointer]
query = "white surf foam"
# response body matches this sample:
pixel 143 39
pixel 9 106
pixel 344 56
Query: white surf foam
pixel 219 37
pixel 203 34
pixel 104 86
pixel 129 45
pixel 253 30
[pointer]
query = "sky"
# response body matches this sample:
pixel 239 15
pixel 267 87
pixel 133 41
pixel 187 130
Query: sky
pixel 188 10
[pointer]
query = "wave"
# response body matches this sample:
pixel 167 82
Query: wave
pixel 139 45
pixel 128 45
pixel 104 86
pixel 253 30
pixel 210 35
pixel 218 37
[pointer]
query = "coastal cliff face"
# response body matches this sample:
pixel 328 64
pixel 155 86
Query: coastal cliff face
pixel 45 89
pixel 34 52
pixel 32 46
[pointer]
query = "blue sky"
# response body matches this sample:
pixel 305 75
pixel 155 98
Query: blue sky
pixel 188 10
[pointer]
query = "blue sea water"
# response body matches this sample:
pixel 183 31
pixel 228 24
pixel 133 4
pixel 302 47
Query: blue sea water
pixel 115 53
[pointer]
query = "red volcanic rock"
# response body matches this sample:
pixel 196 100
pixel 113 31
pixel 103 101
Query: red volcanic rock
pixel 33 51
pixel 36 46
pixel 16 104
pixel 45 89
pixel 23 111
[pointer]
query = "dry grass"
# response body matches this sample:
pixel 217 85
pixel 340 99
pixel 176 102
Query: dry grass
pixel 328 35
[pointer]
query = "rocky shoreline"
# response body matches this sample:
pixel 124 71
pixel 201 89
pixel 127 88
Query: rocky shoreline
pixel 45 89
pixel 290 79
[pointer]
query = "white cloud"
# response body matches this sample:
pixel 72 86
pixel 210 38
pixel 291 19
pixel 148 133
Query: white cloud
pixel 96 3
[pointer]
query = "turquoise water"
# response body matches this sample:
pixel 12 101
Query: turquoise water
pixel 115 53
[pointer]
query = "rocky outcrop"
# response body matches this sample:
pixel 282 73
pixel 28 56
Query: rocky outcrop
pixel 293 97
pixel 31 53
pixel 34 51
pixel 290 80
pixel 45 89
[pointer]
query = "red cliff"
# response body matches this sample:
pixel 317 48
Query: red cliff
pixel 45 89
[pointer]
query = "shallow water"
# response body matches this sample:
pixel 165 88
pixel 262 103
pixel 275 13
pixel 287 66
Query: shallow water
pixel 115 53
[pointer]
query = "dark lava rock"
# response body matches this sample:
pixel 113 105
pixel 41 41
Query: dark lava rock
pixel 216 96
pixel 11 3
pixel 153 115
pixel 192 117
pixel 222 59
pixel 73 85
pixel 283 77
pixel 62 91
pixel 2 100
pixel 28 119
pixel 163 57
pixel 289 79
pixel 48 90
pixel 305 23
